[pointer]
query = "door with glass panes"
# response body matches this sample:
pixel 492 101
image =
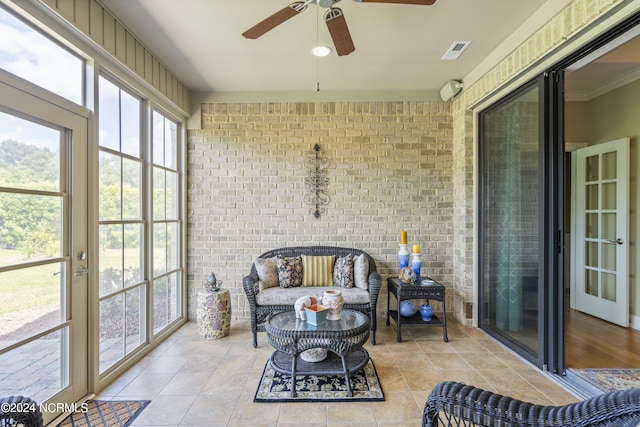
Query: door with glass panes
pixel 601 285
pixel 43 251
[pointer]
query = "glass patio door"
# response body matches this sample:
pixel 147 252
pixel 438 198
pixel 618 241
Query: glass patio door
pixel 43 244
pixel 510 220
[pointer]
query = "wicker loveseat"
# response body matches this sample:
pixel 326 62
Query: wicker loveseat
pixel 457 404
pixel 263 302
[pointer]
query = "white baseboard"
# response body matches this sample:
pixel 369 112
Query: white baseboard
pixel 635 322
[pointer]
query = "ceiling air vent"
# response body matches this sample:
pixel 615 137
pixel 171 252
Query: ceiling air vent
pixel 455 50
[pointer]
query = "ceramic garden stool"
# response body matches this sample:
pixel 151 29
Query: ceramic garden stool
pixel 214 313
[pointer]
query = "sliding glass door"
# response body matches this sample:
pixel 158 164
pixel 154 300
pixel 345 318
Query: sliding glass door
pixel 511 213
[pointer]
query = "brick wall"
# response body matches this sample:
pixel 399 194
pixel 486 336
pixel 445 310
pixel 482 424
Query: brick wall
pixel 390 168
pixel 463 215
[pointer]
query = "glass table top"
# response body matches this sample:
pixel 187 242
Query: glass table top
pixel 287 321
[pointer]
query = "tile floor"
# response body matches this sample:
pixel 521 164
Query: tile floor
pixel 196 382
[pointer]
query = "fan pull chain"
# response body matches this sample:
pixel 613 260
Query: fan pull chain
pixel 317 44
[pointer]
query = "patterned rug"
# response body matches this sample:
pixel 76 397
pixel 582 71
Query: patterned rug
pixel 610 379
pixel 106 413
pixel 275 387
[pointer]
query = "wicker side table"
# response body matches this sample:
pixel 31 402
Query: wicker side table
pixel 408 291
pixel 214 313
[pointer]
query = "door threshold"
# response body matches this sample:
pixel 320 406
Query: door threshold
pixel 577 385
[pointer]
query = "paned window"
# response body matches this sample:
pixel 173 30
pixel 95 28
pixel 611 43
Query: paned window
pixel 122 288
pixel 166 222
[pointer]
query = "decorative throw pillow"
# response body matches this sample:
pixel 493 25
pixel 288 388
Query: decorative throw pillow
pixel 267 269
pixel 289 271
pixel 361 272
pixel 317 270
pixel 343 271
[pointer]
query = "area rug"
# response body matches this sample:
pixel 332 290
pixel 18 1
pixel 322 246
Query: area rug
pixel 275 387
pixel 106 413
pixel 610 379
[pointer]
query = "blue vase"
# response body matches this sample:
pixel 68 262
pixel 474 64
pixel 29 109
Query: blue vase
pixel 407 309
pixel 426 312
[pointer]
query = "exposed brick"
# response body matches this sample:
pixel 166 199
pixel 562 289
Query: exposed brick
pixel 378 185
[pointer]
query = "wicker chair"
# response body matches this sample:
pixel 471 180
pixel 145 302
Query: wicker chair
pixel 259 313
pixel 457 404
pixel 18 410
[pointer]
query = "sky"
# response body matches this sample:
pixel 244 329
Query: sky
pixel 32 56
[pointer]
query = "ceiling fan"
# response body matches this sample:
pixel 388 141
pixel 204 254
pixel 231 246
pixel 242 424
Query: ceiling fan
pixel 334 18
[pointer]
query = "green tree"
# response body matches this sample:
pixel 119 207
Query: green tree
pixel 29 222
pixel 22 163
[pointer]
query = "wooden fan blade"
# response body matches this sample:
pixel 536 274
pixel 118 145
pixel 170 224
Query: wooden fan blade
pixel 421 2
pixel 274 20
pixel 339 31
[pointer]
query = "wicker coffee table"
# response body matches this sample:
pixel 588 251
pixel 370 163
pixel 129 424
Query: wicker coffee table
pixel 343 338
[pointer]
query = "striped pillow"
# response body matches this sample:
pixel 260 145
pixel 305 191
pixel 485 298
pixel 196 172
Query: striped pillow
pixel 317 270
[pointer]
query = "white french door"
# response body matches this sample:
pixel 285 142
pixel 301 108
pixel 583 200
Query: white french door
pixel 600 227
pixel 43 250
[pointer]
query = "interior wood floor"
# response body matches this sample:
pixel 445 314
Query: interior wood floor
pixel 595 343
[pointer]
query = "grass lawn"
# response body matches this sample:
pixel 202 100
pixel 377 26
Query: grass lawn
pixel 28 287
pixel 40 286
pixel 35 287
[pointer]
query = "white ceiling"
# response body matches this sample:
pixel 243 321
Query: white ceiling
pixel 398 47
pixel 610 67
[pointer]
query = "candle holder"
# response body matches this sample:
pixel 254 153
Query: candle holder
pixel 403 256
pixel 416 264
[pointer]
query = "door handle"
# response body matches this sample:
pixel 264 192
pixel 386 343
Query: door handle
pixel 618 241
pixel 81 271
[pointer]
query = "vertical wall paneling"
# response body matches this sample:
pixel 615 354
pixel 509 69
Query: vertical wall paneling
pixel 148 66
pixel 109 23
pixel 162 81
pixel 130 51
pixel 155 81
pixel 82 16
pixel 96 23
pixel 67 9
pixel 121 43
pixel 139 58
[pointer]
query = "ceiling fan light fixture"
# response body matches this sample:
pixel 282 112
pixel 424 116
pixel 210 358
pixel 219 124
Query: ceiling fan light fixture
pixel 321 51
